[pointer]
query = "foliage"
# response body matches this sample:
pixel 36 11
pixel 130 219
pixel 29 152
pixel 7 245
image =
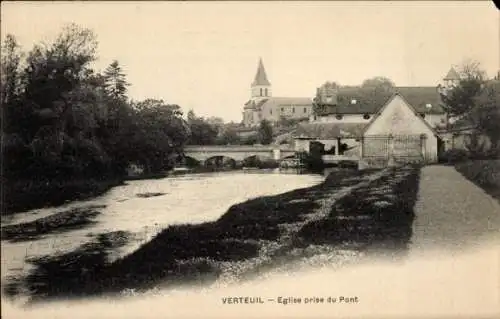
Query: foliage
pixel 285 123
pixel 313 159
pixel 484 173
pixel 379 83
pixel 487 112
pixel 201 132
pixel 265 132
pixel 460 100
pixel 115 82
pixel 476 100
pixel 250 140
pixel 10 69
pixel 63 120
pixel 228 137
pixel 454 156
pixel 474 145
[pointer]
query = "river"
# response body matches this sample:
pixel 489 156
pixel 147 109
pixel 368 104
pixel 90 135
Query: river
pixel 183 199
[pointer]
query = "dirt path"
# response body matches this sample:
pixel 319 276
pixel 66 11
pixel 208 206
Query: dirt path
pixel 452 213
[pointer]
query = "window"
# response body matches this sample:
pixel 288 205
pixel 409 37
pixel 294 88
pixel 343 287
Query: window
pixel 282 109
pixel 260 91
pixel 338 116
pixel 293 110
pixel 271 111
pixel 366 116
pixel 265 91
pixel 305 110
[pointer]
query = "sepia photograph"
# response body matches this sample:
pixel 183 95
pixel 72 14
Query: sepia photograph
pixel 250 159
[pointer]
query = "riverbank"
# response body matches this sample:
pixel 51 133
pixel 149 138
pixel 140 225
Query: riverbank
pixel 23 195
pixel 355 210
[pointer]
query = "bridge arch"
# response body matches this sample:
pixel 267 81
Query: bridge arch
pixel 220 161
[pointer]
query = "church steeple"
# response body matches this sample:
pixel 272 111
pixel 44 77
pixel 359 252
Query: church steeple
pixel 260 76
pixel 261 87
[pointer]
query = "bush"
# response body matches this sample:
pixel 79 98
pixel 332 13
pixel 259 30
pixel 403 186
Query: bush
pixel 268 163
pixel 313 160
pixel 454 156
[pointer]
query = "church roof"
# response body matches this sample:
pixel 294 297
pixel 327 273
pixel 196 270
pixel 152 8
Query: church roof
pixel 452 75
pixel 368 101
pixel 285 101
pixel 260 76
pixel 278 102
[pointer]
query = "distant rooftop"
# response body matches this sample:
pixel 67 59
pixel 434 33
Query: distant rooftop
pixel 368 101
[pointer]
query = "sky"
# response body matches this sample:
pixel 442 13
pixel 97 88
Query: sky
pixel 203 55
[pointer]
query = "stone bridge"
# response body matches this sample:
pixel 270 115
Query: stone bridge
pixel 238 152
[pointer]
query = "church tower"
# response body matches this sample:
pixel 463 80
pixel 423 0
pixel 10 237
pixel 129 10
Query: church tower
pixel 261 87
pixel 451 79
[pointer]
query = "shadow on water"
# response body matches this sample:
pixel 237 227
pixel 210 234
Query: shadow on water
pixel 67 220
pixel 192 254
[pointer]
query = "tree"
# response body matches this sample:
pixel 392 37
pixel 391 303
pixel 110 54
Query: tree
pixel 265 132
pixel 476 100
pixel 378 82
pixel 228 136
pixel 158 136
pixel 10 69
pixel 378 86
pixel 115 81
pixel 67 121
pixel 486 113
pixel 326 89
pixel 201 132
pixel 460 100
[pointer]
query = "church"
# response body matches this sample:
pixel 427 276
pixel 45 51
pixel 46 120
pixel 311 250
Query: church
pixel 263 106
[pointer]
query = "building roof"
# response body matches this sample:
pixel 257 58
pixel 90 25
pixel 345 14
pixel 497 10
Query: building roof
pixel 260 76
pixel 368 100
pixel 374 119
pixel 329 130
pixel 452 75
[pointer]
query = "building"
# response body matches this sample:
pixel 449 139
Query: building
pixel 262 105
pixel 378 123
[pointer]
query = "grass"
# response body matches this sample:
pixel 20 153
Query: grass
pixel 379 215
pixel 483 173
pixel 59 222
pixel 200 253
